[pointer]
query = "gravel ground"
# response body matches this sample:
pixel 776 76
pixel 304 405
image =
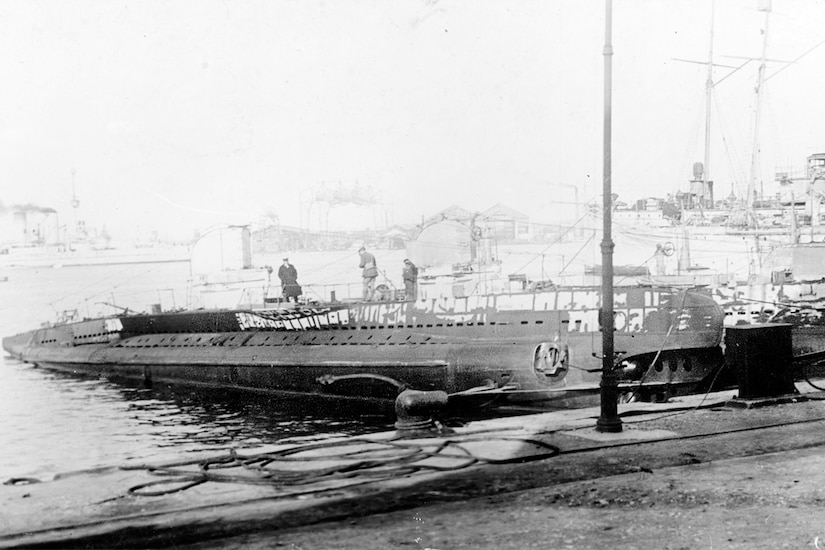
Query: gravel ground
pixel 772 501
pixel 737 489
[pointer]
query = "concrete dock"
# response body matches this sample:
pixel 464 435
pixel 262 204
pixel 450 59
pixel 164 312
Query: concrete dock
pixel 705 471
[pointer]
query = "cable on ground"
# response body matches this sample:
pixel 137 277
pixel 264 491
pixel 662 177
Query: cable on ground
pixel 360 460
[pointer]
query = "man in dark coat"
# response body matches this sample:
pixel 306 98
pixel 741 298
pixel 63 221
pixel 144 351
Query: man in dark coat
pixel 410 276
pixel 369 273
pixel 289 281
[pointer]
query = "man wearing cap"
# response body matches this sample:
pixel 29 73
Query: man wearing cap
pixel 410 276
pixel 369 273
pixel 289 281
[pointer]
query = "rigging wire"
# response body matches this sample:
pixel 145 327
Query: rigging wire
pixel 556 240
pixel 734 163
pixel 793 61
pixel 662 345
pixel 106 292
pixel 686 411
pixel 579 251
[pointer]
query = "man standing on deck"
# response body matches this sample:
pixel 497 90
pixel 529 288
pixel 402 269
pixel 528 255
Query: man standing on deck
pixel 410 276
pixel 289 281
pixel 369 273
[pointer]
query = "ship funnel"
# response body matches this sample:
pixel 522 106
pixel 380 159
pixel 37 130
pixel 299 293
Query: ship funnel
pixel 698 170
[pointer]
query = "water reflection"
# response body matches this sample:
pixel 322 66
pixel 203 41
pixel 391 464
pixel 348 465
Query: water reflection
pixel 181 416
pixel 56 422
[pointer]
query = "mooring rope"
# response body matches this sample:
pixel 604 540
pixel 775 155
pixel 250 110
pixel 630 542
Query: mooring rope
pixel 359 460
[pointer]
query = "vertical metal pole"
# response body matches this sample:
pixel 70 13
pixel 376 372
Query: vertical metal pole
pixel 609 420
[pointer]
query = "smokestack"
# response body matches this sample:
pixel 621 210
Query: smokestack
pixel 33 208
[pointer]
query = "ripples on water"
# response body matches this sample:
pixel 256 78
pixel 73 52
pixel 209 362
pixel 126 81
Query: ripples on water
pixel 53 422
pixel 57 423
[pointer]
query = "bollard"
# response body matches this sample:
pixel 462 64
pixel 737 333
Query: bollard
pixel 762 357
pixel 416 412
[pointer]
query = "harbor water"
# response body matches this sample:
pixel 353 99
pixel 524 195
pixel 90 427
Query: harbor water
pixel 53 423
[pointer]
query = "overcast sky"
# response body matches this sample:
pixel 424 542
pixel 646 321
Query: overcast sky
pixel 185 114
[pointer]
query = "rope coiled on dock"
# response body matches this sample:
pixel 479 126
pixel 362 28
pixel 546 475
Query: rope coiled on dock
pixel 334 465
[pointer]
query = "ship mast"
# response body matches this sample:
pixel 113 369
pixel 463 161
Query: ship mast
pixel 708 99
pixel 765 5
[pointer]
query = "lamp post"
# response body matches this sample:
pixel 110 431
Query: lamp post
pixel 609 420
